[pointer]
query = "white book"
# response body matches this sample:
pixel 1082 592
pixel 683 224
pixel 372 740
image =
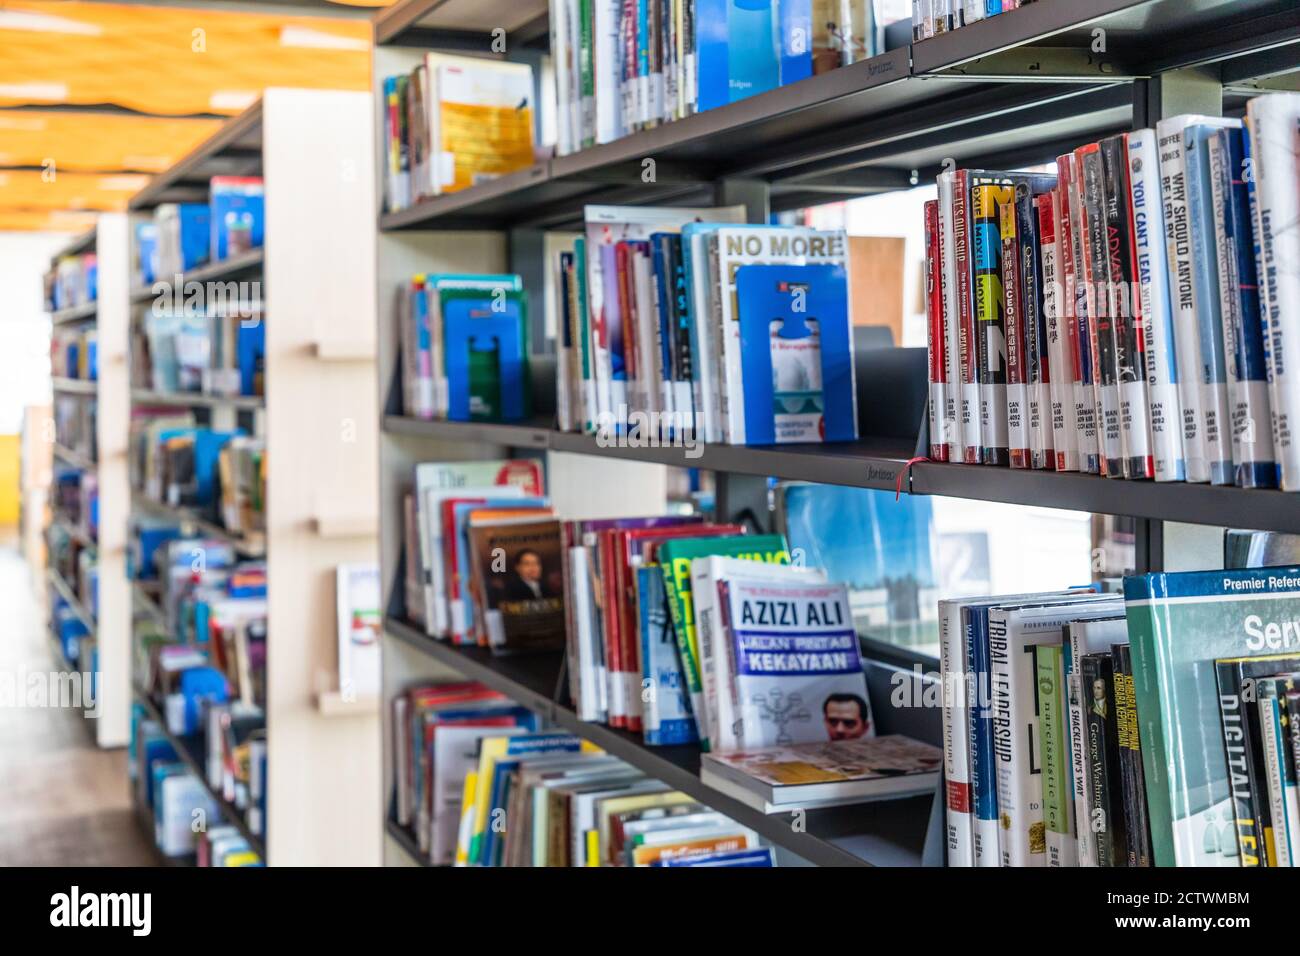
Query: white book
pixel 1060 369
pixel 953 675
pixel 971 11
pixel 951 420
pixel 1179 254
pixel 1013 634
pixel 561 57
pixel 606 44
pixel 1275 149
pixel 359 604
pixel 590 665
pixel 739 246
pixel 1086 637
pixel 649 366
pixel 715 676
pixel 401 761
pixel 1157 313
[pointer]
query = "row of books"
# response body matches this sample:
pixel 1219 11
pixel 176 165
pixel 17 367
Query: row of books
pixel 465 348
pixel 480 783
pixel 933 17
pixel 1156 727
pixel 686 323
pixel 172 797
pixel 219 473
pixel 679 629
pixel 624 67
pixel 74 498
pixel 453 122
pixel 73 281
pixel 1128 315
pixel 185 236
pixel 76 423
pixel 217 351
pixel 74 353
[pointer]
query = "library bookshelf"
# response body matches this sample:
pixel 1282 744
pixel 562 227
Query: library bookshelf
pixel 319 420
pixel 110 627
pixel 1014 90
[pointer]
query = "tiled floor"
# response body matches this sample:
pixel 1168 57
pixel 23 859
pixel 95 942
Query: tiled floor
pixel 63 801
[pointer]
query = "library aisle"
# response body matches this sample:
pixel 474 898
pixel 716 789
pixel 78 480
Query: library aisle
pixel 64 801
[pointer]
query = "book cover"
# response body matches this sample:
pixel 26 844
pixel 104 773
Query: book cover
pixel 1104 787
pixel 1179 624
pixel 666 711
pixel 793 655
pixel 518 579
pixel 796 354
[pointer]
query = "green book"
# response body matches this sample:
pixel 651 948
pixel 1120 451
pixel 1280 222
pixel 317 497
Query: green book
pixel 1054 757
pixel 1179 625
pixel 675 557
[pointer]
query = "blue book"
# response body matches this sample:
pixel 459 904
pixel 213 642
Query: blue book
pixel 668 718
pixel 1243 328
pixel 795 39
pixel 711 46
pixel 1205 293
pixel 485 342
pixel 761 857
pixel 753 65
pixel 207 449
pixel 252 355
pixel 1258 250
pixel 238 215
pixel 984 791
pixel 796 353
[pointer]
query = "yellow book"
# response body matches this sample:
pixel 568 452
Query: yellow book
pixel 493 749
pixel 641 801
pixel 466 819
pixel 593 848
pixel 245 858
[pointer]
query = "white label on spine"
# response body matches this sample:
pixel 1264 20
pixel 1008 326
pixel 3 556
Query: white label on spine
pixel 1133 405
pixel 1018 416
pixel 970 419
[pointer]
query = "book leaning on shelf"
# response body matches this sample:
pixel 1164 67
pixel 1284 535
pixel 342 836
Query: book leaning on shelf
pixel 687 325
pixel 464 348
pixel 1128 316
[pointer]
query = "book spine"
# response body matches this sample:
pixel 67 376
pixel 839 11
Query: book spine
pixel 1013 321
pixel 1053 747
pixel 1243 346
pixel 1205 295
pixel 618 705
pixel 1085 845
pixel 990 335
pixel 983 783
pixel 968 352
pixel 1015 726
pixel 1103 758
pixel 1273 120
pixel 1178 245
pixel 1041 452
pixel 1137 830
pixel 934 332
pixel 1289 702
pixel 951 320
pixel 1101 322
pixel 1236 748
pixel 1263 290
pixel 1065 440
pixel 1270 727
pixel 956 736
pixel 1076 297
pixel 1150 256
pixel 1126 307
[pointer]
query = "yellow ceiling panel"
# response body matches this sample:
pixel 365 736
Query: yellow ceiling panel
pixel 97 141
pixel 35 220
pixel 30 189
pixel 168 60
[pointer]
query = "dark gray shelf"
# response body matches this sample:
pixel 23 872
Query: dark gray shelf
pixel 190 750
pixel 894 829
pixel 234 150
pixel 403 838
pixel 76 313
pixel 232 267
pixel 534 435
pixel 877 463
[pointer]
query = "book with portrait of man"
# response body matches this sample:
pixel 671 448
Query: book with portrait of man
pixel 518 583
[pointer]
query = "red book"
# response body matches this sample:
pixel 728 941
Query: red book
pixel 935 331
